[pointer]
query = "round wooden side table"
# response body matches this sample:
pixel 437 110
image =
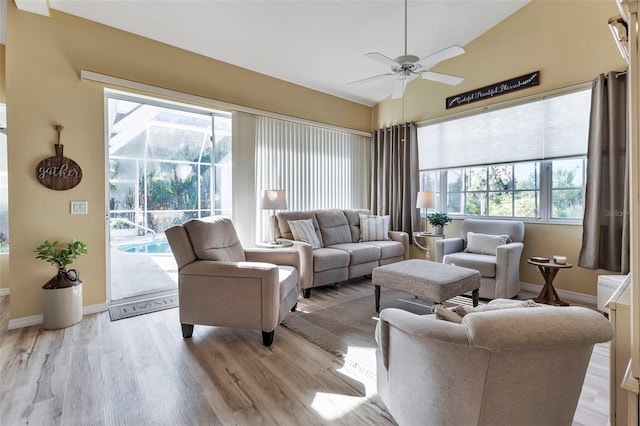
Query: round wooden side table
pixel 549 270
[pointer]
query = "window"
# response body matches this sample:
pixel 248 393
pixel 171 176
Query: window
pixel 540 148
pixel 168 163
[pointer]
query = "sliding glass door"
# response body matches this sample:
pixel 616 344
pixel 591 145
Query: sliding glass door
pixel 167 163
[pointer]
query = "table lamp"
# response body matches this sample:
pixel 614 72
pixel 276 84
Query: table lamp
pixel 273 199
pixel 426 200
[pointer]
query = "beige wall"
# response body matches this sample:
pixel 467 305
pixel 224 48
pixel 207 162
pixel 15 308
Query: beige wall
pixel 569 43
pixel 44 60
pixel 2 74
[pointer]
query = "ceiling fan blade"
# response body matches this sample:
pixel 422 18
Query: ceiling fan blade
pixel 398 88
pixel 384 59
pixel 433 59
pixel 453 80
pixel 366 80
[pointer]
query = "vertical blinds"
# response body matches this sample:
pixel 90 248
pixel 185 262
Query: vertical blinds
pixel 318 168
pixel 552 127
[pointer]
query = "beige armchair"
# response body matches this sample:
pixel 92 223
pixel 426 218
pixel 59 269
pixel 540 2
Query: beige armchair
pixel 222 284
pixel 499 268
pixel 517 366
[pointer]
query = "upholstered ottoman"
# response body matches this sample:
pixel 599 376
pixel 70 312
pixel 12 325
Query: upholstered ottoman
pixel 428 280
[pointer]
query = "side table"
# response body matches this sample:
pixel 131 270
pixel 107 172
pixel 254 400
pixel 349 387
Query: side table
pixel 426 236
pixel 549 270
pixel 280 243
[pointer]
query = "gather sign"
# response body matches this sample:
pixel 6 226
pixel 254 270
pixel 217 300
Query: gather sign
pixel 58 172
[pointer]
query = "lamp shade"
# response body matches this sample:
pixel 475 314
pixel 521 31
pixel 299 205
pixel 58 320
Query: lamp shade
pixel 426 200
pixel 275 199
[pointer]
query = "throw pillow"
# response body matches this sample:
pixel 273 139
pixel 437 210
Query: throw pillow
pixel 445 314
pixel 374 228
pixel 463 310
pixel 304 231
pixel 484 243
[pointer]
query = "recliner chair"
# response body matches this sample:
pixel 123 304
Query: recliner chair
pixel 499 270
pixel 222 284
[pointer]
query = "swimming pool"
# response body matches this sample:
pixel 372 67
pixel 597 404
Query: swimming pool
pixel 157 246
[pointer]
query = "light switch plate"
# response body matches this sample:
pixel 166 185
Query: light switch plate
pixel 79 207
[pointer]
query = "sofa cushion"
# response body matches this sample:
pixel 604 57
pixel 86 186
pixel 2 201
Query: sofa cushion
pixel 288 277
pixel 334 227
pixel 359 252
pixel 353 216
pixel 388 249
pixel 284 218
pixel 302 230
pixel 215 238
pixel 374 228
pixel 329 258
pixel 483 263
pixel 484 243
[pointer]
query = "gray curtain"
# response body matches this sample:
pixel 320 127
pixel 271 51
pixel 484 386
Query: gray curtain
pixel 394 175
pixel 605 236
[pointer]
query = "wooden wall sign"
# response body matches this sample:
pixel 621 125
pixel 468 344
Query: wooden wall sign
pixel 59 172
pixel 502 88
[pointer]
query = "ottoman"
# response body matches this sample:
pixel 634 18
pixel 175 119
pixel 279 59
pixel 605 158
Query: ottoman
pixel 428 280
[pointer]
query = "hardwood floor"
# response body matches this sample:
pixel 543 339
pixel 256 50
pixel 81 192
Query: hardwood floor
pixel 139 371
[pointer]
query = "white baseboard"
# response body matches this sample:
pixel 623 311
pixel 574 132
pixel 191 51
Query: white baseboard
pixel 4 291
pixel 37 319
pixel 569 296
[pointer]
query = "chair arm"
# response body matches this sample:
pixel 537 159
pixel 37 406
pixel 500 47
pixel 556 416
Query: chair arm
pixel 508 267
pixel 306 263
pixel 448 246
pixel 403 237
pixel 289 257
pixel 215 268
pixel 419 326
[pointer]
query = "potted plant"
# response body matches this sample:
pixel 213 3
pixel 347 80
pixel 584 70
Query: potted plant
pixel 438 220
pixel 62 294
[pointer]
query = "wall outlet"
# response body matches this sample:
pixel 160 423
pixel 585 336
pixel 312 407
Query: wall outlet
pixel 79 207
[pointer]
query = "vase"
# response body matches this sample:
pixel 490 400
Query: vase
pixel 62 300
pixel 438 229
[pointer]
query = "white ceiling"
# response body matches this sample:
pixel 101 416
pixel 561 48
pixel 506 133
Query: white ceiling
pixel 316 44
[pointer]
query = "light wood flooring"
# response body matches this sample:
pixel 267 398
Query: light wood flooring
pixel 140 371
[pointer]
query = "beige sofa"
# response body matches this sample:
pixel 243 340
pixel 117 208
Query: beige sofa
pixel 341 255
pixel 520 366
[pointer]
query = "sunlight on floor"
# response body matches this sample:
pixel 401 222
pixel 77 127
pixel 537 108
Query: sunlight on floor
pixel 331 406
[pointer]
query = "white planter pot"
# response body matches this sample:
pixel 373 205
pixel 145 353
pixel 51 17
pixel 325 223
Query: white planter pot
pixel 61 307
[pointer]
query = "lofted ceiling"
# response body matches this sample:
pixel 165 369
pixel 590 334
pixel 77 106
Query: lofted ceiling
pixel 316 44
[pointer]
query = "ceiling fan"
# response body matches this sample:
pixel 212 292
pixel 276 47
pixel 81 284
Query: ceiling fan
pixel 406 67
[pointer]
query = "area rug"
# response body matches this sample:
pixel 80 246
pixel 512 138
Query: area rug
pixel 345 326
pixel 141 307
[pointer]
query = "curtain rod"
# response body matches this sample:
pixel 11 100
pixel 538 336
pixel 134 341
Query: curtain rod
pixel 186 97
pixel 504 104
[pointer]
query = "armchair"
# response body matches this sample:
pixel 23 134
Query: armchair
pixel 222 284
pixel 500 269
pixel 516 366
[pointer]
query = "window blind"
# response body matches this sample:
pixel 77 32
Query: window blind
pixel 548 128
pixel 317 167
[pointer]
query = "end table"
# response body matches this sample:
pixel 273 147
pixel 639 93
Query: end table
pixel 549 270
pixel 426 236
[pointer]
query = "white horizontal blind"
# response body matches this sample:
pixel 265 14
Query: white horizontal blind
pixel 317 167
pixel 547 128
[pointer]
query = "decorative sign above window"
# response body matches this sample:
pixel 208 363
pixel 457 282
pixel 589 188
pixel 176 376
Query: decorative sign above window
pixel 502 88
pixel 59 173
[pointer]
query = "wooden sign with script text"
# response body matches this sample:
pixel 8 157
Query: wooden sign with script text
pixel 502 88
pixel 59 172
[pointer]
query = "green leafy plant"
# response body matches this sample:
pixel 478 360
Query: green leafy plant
pixel 438 219
pixel 60 257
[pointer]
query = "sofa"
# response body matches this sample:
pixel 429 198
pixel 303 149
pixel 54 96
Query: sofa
pixel 341 255
pixel 505 366
pixel 492 247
